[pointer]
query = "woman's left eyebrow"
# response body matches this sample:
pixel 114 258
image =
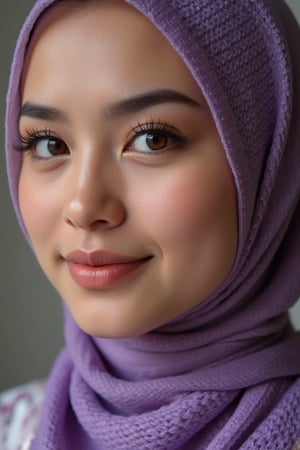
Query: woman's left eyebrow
pixel 146 100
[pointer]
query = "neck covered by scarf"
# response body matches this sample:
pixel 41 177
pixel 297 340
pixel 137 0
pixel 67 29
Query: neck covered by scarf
pixel 223 376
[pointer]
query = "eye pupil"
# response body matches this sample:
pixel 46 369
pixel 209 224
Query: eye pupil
pixel 156 141
pixel 55 147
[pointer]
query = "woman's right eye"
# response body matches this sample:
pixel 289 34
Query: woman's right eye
pixel 42 145
pixel 49 148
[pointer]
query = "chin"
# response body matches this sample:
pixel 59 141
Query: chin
pixel 110 329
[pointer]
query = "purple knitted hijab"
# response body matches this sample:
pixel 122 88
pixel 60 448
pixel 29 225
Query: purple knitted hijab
pixel 224 376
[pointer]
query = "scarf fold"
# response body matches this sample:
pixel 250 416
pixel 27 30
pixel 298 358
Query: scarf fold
pixel 223 375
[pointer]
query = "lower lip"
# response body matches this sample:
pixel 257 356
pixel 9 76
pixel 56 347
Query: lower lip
pixel 103 277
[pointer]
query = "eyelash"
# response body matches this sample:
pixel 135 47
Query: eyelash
pixel 33 136
pixel 153 126
pixel 159 127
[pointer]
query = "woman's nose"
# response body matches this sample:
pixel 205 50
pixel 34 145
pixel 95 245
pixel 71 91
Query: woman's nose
pixel 94 197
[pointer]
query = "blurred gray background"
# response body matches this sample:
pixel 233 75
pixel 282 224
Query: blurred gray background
pixel 31 328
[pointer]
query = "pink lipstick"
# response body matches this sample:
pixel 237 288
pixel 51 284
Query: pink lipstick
pixel 101 269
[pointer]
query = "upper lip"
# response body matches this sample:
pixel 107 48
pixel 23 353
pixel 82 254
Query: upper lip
pixel 99 258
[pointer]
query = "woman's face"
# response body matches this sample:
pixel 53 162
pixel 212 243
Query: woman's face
pixel 125 189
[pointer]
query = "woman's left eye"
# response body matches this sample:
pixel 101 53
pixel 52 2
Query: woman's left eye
pixel 151 141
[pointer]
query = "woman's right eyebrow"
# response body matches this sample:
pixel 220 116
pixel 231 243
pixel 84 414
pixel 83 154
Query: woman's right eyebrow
pixel 42 112
pixel 127 106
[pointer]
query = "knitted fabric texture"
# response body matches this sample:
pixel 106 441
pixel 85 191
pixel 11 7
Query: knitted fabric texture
pixel 224 375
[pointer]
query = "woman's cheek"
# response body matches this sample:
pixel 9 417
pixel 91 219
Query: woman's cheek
pixel 182 205
pixel 39 207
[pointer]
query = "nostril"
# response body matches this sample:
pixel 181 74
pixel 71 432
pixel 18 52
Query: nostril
pixel 69 222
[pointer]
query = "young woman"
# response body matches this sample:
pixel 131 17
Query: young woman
pixel 153 157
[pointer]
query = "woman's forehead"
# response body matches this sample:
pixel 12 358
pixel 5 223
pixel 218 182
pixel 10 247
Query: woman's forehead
pixel 132 54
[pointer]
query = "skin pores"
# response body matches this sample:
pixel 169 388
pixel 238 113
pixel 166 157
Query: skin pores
pixel 125 189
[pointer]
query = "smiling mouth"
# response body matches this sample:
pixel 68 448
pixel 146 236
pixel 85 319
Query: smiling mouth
pixel 102 270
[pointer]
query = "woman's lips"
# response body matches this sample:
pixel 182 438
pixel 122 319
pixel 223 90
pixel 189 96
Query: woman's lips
pixel 101 269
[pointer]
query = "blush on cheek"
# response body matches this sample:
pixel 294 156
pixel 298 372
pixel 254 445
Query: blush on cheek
pixel 185 206
pixel 37 210
pixel 29 206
